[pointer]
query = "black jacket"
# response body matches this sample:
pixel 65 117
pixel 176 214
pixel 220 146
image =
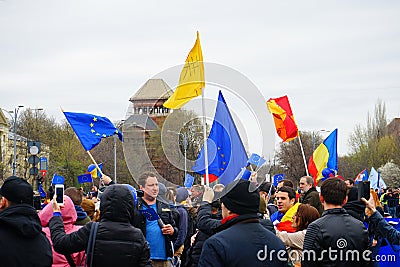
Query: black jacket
pixel 243 241
pixel 118 242
pixel 165 213
pixel 355 208
pixel 312 197
pixel 22 242
pixel 335 233
pixel 207 224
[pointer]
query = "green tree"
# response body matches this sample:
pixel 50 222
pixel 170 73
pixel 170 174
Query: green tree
pixel 372 146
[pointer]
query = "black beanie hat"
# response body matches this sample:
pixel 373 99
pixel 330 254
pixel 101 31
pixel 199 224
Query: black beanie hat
pixel 241 197
pixel 17 190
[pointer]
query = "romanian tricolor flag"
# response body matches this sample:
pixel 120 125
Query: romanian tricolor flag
pixel 325 156
pixel 191 80
pixel 283 118
pixel 286 223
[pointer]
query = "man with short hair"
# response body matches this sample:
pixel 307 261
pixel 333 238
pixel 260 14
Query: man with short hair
pixel 284 182
pixel 196 193
pixel 285 200
pixel 309 193
pixel 22 242
pixel 241 239
pixel 335 239
pixel 159 237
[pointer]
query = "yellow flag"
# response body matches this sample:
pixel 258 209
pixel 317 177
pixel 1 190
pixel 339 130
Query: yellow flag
pixel 191 80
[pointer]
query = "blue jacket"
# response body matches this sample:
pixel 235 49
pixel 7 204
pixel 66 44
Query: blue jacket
pixel 384 229
pixel 243 241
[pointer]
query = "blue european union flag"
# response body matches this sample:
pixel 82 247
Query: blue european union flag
pixel 57 179
pixel 277 178
pixel 150 214
pixel 226 153
pixel 188 181
pixel 90 129
pixel 256 160
pixel 41 191
pixel 85 178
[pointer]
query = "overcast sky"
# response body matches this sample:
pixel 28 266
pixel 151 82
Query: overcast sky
pixel 334 59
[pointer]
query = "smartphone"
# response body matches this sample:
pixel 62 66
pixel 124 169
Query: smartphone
pixel 59 188
pixel 364 189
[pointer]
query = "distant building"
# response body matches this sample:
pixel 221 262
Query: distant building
pixel 148 104
pixel 7 149
pixel 147 115
pixel 394 127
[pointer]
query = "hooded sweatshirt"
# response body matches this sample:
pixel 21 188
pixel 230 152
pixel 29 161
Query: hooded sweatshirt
pixel 69 216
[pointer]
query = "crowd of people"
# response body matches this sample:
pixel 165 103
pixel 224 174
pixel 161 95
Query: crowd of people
pixel 240 224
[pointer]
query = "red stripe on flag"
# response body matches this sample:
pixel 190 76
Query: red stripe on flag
pixel 211 177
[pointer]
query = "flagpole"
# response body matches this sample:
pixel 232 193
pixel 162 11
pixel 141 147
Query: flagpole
pixel 304 157
pixel 205 139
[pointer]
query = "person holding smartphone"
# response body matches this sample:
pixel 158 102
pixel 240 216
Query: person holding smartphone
pixel 118 242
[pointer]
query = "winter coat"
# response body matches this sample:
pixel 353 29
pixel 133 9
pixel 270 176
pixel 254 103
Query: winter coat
pixel 355 208
pixel 312 197
pixel 294 243
pixel 208 223
pixel 165 214
pixel 182 227
pixel 69 218
pixel 379 225
pixel 243 241
pixel 335 233
pixel 22 242
pixel 118 242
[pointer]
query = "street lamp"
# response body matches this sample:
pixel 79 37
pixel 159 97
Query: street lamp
pixel 14 166
pixel 314 133
pixel 184 145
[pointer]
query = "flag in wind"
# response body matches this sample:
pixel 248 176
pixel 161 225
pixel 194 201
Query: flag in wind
pixel 191 80
pixel 226 153
pixel 41 190
pixel 90 129
pixel 93 171
pixel 57 179
pixel 283 118
pixel 277 178
pixel 188 181
pixel 256 160
pixel 362 176
pixel 325 156
pixel 85 178
pixel 376 180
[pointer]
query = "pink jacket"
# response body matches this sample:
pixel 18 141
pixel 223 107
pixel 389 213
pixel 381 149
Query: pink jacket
pixel 69 218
